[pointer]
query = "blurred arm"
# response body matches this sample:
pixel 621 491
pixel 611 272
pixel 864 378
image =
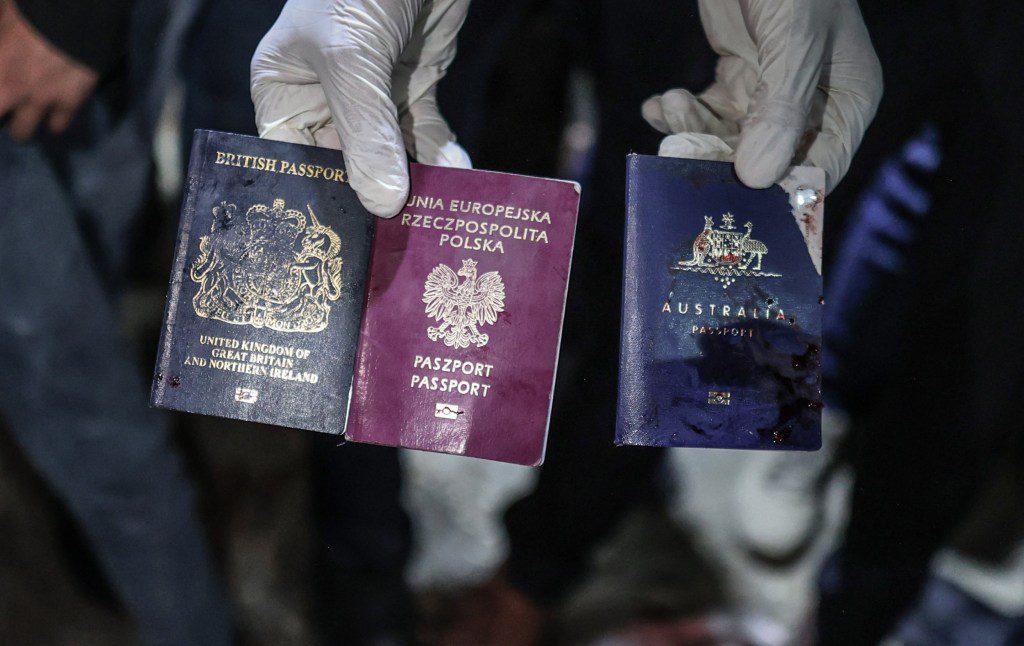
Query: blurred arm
pixel 91 33
pixel 38 81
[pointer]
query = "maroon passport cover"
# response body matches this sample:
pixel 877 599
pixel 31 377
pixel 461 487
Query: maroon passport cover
pixel 460 334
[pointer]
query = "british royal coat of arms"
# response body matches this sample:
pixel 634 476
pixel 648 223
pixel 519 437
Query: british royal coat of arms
pixel 274 268
pixel 725 252
pixel 462 307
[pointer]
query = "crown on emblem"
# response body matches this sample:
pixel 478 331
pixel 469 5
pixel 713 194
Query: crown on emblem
pixel 469 263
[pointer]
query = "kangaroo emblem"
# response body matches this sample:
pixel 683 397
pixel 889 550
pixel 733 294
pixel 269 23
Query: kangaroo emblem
pixel 725 253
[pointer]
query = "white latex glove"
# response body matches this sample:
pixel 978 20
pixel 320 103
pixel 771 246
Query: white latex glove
pixel 797 82
pixel 361 75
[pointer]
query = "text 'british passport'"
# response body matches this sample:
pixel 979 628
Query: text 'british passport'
pixel 267 286
pixel 463 316
pixel 721 331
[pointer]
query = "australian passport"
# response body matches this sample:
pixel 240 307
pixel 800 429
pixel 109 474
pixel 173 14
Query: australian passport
pixel 267 286
pixel 722 308
pixel 463 315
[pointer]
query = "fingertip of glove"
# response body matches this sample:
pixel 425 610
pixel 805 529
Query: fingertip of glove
pixel 652 113
pixel 765 153
pixel 384 205
pixel 452 155
pixel 694 145
pixel 753 176
pixel 382 200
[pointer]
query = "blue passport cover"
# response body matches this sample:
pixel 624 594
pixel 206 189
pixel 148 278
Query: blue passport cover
pixel 722 304
pixel 267 286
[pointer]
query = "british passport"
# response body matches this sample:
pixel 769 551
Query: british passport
pixel 463 316
pixel 721 314
pixel 267 286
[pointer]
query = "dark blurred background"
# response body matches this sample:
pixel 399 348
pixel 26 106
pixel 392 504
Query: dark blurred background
pixel 907 527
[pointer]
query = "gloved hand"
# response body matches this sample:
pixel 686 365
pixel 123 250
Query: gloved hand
pixel 797 82
pixel 361 75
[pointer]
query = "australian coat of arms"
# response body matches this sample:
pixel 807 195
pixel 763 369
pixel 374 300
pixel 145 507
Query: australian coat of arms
pixel 274 268
pixel 461 307
pixel 725 252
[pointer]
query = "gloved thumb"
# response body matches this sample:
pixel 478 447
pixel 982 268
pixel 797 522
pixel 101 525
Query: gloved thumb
pixel 357 88
pixel 790 48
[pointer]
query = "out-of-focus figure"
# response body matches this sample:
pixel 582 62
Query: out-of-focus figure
pixel 930 380
pixel 70 393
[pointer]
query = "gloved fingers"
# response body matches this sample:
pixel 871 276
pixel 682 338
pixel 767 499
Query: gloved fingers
pixel 767 145
pixel 653 114
pixel 356 81
pixel 729 96
pixel 726 31
pixel 433 40
pixel 692 145
pixel 831 147
pixel 851 97
pixel 678 111
pixel 828 153
pixel 430 49
pixel 428 138
pixel 293 113
pixel 766 77
pixel 423 63
pixel 801 78
pixel 328 64
pixel 289 101
pixel 791 38
pixel 327 137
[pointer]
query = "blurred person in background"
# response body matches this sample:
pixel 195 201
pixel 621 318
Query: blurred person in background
pixel 74 170
pixel 931 380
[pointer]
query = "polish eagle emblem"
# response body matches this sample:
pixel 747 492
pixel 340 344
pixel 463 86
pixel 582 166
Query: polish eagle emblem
pixel 462 307
pixel 271 268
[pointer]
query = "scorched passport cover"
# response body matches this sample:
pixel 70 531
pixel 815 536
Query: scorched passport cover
pixel 721 334
pixel 463 315
pixel 267 285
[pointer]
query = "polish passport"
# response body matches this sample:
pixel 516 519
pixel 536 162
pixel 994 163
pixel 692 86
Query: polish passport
pixel 722 308
pixel 463 315
pixel 267 285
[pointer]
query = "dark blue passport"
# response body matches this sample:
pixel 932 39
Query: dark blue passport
pixel 722 305
pixel 267 287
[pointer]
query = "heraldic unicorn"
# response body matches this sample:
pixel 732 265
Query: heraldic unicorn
pixel 462 306
pixel 274 268
pixel 725 252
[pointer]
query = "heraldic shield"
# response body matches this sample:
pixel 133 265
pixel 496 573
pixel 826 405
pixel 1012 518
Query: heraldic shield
pixel 274 268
